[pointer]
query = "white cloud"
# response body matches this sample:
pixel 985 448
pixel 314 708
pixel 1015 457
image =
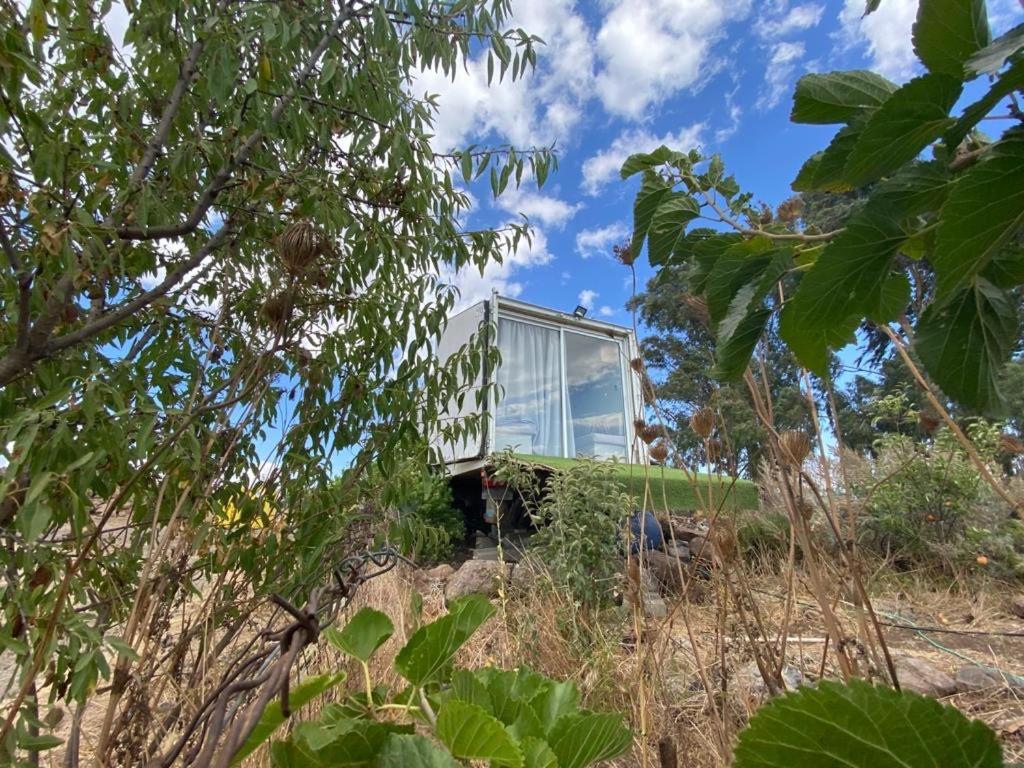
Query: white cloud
pixel 549 211
pixel 592 242
pixel 606 311
pixel 779 73
pixel 539 109
pixel 724 133
pixel 601 168
pixel 787 21
pixel 504 276
pixel 587 298
pixel 651 49
pixel 885 33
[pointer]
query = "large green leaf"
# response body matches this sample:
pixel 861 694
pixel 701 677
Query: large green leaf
pixel 273 717
pixel 537 754
pixel 734 268
pixel 948 32
pixel 643 161
pixel 846 282
pixel 984 210
pixel 991 58
pixel 1011 80
pixel 288 754
pixel 413 751
pixel 364 633
pixel 584 738
pixel 838 97
pixel 473 734
pixel 554 702
pixel 823 171
pixel 965 340
pixel 732 355
pixel 703 247
pixel 668 225
pixel 861 726
pixel 430 650
pixel 357 743
pixel 653 190
pixel 912 118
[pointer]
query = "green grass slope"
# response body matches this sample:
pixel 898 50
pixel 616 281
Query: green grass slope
pixel 671 488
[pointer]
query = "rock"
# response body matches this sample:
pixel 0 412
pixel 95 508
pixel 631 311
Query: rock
pixel 749 677
pixel 475 577
pixel 441 572
pixel 919 676
pixel 702 549
pixel 973 678
pixel 670 572
pixel 524 577
pixel 678 549
pixel 1017 606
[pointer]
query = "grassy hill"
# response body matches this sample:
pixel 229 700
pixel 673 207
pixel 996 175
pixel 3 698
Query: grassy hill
pixel 672 486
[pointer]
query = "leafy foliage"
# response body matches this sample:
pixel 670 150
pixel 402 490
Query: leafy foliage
pixel 961 214
pixel 508 719
pixel 223 238
pixel 581 513
pixel 858 725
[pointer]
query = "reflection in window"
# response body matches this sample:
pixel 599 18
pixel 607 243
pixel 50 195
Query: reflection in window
pixel 529 412
pixel 596 406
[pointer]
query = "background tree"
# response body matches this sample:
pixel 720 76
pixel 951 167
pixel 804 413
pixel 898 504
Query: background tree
pixel 222 239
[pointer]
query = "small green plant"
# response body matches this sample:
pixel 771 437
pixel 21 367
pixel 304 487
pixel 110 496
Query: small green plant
pixel 445 717
pixel 581 514
pixel 427 525
pixel 859 725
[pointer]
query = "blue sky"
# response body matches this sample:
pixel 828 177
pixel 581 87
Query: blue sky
pixel 622 76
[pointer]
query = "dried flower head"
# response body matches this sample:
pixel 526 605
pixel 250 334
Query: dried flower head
pixel 790 210
pixel 795 446
pixel 624 254
pixel 277 309
pixel 637 364
pixel 298 246
pixel 659 452
pixel 929 421
pixel 703 422
pixel 714 450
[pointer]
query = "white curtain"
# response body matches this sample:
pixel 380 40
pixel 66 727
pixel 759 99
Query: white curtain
pixel 529 412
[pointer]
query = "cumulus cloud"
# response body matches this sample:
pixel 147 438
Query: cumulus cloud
pixel 475 286
pixel 735 112
pixel 587 298
pixel 605 311
pixel 651 49
pixel 599 240
pixel 782 21
pixel 601 168
pixel 539 109
pixel 885 34
pixel 537 207
pixel 779 73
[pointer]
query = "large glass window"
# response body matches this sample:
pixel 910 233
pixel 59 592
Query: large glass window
pixel 528 416
pixel 596 406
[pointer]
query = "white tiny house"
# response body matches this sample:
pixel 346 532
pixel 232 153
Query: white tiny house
pixel 564 387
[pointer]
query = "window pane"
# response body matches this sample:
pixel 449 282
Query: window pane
pixel 597 407
pixel 529 413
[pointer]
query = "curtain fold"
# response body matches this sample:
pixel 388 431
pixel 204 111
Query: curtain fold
pixel 529 411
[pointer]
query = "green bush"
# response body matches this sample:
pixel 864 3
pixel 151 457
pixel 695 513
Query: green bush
pixel 924 502
pixel 581 515
pixel 426 524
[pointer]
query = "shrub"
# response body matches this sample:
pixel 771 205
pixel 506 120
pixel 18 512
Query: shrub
pixel 581 514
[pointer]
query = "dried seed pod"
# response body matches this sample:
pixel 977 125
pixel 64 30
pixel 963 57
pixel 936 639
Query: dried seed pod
pixel 795 446
pixel 723 536
pixel 805 509
pixel 650 433
pixel 298 246
pixel 659 452
pixel 278 308
pixel 714 450
pixel 624 254
pixel 637 364
pixel 703 422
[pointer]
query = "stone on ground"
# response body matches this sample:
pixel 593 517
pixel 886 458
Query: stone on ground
pixel 919 676
pixel 973 678
pixel 475 577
